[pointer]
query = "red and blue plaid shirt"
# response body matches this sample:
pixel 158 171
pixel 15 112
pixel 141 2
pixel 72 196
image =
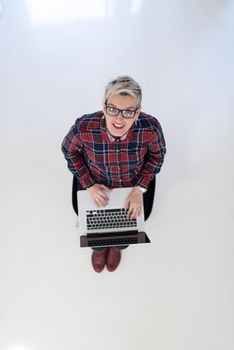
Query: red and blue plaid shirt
pixel 94 156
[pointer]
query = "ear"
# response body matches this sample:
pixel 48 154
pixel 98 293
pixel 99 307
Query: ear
pixel 137 114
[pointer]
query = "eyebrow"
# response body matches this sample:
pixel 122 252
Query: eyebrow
pixel 125 109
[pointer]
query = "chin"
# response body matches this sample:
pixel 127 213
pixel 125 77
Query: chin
pixel 118 133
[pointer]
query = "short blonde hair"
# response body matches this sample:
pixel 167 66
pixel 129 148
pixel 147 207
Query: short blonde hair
pixel 123 85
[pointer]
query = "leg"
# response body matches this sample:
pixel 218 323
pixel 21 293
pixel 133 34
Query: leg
pixel 110 256
pixel 99 254
pixel 99 259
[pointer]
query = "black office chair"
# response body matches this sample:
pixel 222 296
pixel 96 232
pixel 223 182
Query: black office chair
pixel 148 196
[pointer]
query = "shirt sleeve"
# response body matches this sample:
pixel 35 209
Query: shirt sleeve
pixel 154 158
pixel 72 149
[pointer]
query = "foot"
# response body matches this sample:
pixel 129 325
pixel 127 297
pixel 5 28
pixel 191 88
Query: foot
pixel 113 259
pixel 99 260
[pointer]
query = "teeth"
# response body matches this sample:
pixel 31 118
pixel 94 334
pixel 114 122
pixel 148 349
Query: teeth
pixel 118 126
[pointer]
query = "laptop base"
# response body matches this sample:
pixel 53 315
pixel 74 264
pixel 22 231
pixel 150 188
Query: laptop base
pixel 113 239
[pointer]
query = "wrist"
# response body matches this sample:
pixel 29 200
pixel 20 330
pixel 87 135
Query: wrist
pixel 141 189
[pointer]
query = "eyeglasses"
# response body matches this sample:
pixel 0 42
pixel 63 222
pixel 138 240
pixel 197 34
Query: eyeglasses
pixel 126 113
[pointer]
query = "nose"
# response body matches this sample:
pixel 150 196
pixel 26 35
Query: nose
pixel 119 116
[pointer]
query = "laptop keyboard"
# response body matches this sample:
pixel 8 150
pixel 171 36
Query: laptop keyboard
pixel 112 241
pixel 109 218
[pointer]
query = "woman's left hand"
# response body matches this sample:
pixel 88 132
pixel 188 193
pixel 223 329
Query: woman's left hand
pixel 134 203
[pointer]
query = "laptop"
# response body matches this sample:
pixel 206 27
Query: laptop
pixel 109 226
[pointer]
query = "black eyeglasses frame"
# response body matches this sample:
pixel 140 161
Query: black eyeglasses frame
pixel 121 111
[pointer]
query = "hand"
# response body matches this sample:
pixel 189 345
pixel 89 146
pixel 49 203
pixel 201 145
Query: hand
pixel 134 203
pixel 98 195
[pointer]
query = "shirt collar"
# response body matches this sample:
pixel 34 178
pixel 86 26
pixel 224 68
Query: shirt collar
pixel 112 138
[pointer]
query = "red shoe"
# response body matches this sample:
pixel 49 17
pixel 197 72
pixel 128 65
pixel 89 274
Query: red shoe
pixel 99 260
pixel 113 259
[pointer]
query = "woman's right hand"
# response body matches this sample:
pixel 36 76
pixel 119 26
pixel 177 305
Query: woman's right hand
pixel 98 194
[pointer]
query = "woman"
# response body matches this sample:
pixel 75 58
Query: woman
pixel 119 146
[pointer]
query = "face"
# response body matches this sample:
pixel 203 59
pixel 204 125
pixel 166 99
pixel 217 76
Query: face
pixel 118 126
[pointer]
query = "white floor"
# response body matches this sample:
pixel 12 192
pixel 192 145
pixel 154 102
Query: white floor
pixel 55 59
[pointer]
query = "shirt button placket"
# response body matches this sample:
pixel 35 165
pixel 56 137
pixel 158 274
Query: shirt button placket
pixel 118 160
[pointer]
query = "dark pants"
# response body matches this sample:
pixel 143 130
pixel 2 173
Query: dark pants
pixel 148 199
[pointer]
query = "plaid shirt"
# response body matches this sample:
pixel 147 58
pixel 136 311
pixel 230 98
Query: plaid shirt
pixel 94 156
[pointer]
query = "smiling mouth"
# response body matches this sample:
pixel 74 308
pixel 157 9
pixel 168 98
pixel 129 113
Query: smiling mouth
pixel 118 126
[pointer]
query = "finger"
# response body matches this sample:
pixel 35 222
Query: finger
pixel 102 201
pixel 133 215
pixel 130 212
pixel 138 212
pixel 96 201
pixel 102 195
pixel 135 212
pixel 127 203
pixel 99 202
pixel 105 188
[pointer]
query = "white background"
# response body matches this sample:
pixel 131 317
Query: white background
pixel 55 60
